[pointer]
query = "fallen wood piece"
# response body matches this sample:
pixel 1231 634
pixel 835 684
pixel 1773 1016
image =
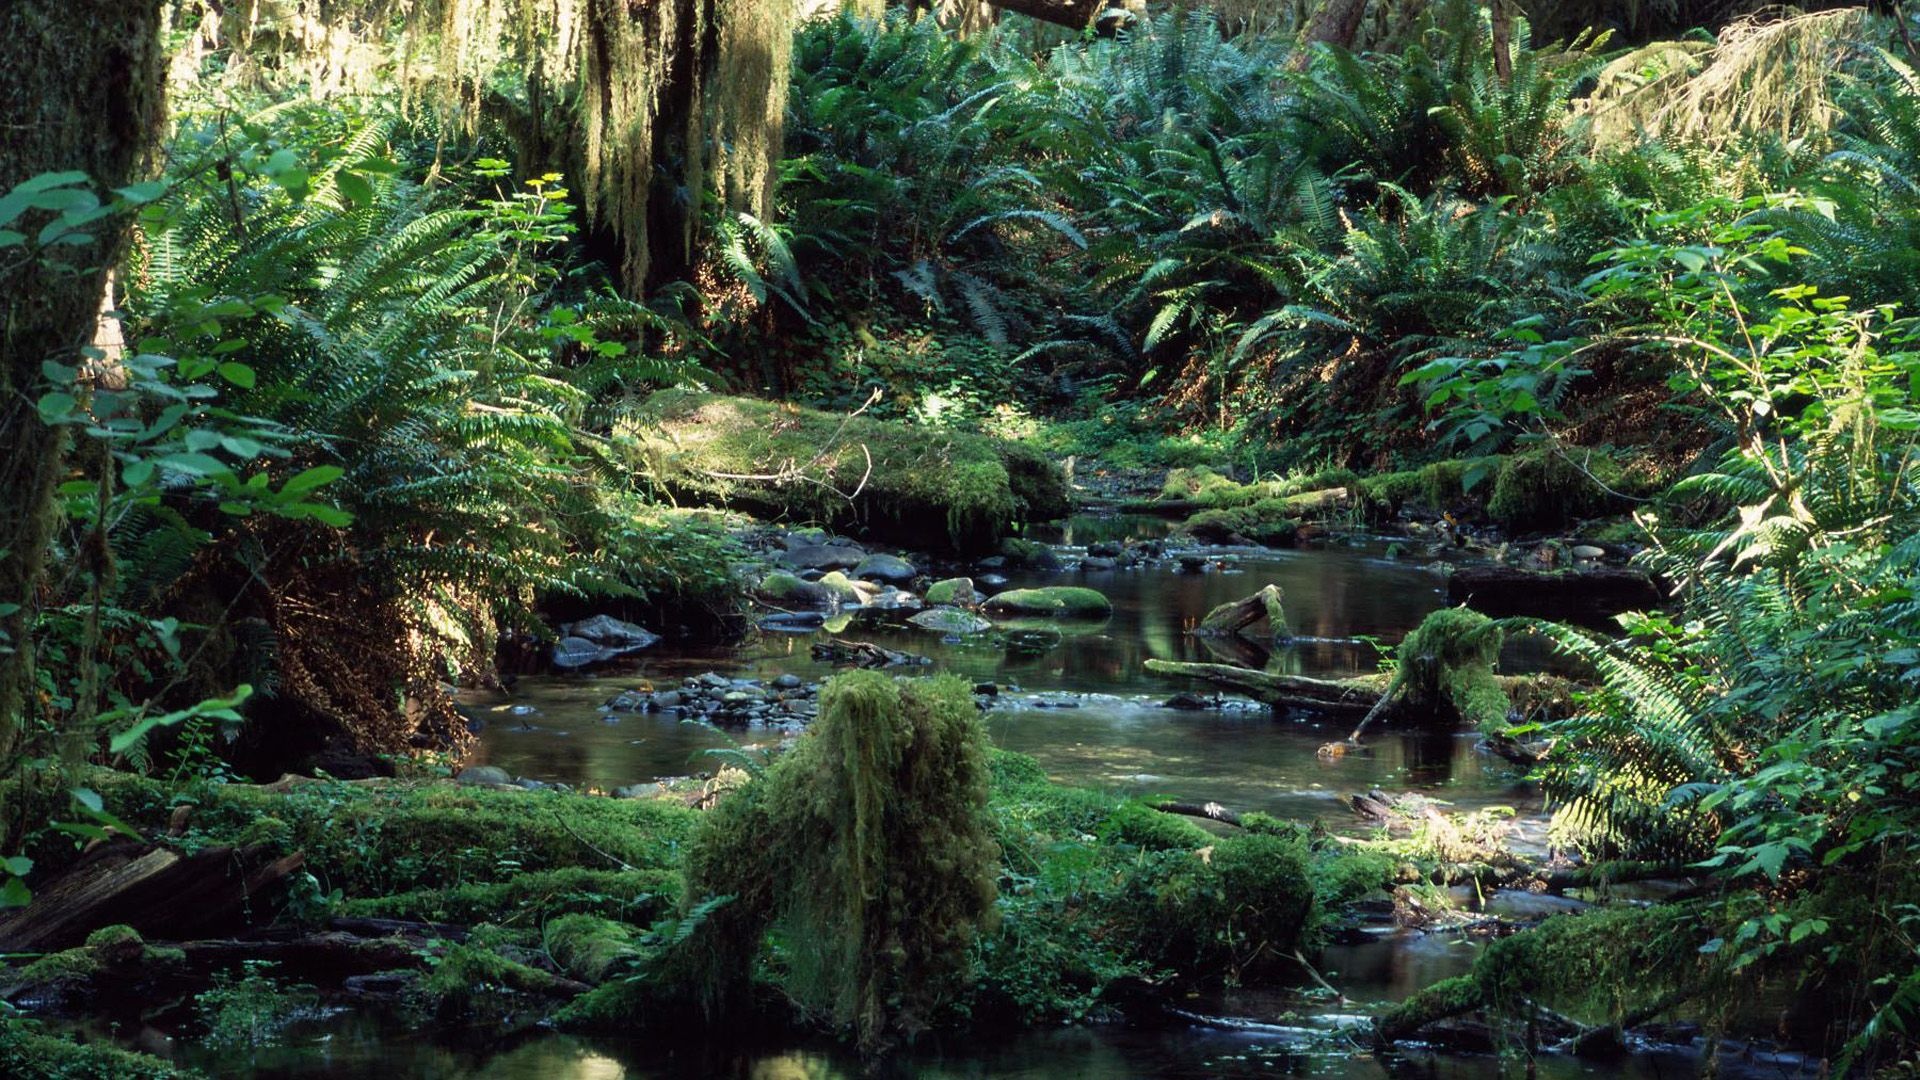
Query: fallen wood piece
pixel 864 654
pixel 1211 811
pixel 1599 592
pixel 1268 606
pixel 155 890
pixel 399 927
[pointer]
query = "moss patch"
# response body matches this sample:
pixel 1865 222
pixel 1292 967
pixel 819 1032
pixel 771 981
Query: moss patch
pixel 531 899
pixel 953 592
pixel 26 1052
pixel 925 488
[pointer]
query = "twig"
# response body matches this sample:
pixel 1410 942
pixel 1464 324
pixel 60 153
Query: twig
pixel 584 842
pixel 1315 976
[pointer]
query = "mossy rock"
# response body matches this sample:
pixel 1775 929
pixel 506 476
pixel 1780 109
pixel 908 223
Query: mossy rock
pixel 590 948
pixel 782 587
pixel 1039 486
pixel 1051 601
pixel 923 488
pixel 953 592
pixel 1269 522
pixel 1546 489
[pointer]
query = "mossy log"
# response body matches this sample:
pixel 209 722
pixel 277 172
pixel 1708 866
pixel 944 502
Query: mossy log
pixel 1353 697
pixel 928 489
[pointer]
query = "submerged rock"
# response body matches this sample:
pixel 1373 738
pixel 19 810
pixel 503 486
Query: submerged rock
pixel 1055 601
pixel 947 620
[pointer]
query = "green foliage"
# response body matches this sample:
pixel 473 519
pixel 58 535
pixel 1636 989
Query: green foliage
pixel 920 486
pixel 251 1008
pixel 25 1050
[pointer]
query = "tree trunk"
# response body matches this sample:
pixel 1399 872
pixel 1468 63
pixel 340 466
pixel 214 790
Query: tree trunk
pixel 80 89
pixel 1078 14
pixel 1334 22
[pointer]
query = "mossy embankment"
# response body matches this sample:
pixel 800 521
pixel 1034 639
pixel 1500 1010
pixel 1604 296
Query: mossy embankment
pixel 1533 491
pixel 921 487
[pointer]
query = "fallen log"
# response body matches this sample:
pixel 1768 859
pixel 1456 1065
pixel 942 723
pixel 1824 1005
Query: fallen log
pixel 863 654
pixel 1599 592
pixel 1234 617
pixel 155 890
pixel 1338 697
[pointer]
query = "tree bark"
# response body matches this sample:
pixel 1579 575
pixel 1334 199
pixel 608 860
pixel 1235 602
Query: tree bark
pixel 1334 22
pixel 1078 14
pixel 80 89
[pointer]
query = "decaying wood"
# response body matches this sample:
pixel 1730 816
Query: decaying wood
pixel 1268 606
pixel 155 890
pixel 865 654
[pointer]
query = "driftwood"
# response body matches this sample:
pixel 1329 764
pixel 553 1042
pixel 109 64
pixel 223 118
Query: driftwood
pixel 155 890
pixel 1338 697
pixel 1232 618
pixel 864 654
pixel 1506 590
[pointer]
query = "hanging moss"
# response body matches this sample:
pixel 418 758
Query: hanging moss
pixel 868 847
pixel 646 105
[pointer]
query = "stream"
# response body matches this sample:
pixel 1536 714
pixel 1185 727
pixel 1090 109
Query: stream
pixel 1089 712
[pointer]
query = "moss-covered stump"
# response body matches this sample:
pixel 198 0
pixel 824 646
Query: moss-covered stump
pixel 926 489
pixel 1051 601
pixel 867 847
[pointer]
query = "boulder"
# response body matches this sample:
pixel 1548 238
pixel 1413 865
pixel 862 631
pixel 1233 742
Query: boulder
pixel 1053 601
pixel 891 569
pixel 822 557
pixel 609 631
pixel 957 592
pixel 782 587
pixel 484 776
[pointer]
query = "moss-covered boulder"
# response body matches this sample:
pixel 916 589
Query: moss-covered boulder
pixel 954 592
pixel 1269 522
pixel 1052 601
pixel 1550 489
pixel 781 587
pixel 925 489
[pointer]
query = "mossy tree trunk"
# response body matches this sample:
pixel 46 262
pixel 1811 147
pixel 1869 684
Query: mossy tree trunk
pixel 80 90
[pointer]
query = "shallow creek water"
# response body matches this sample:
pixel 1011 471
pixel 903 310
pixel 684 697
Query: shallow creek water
pixel 1113 734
